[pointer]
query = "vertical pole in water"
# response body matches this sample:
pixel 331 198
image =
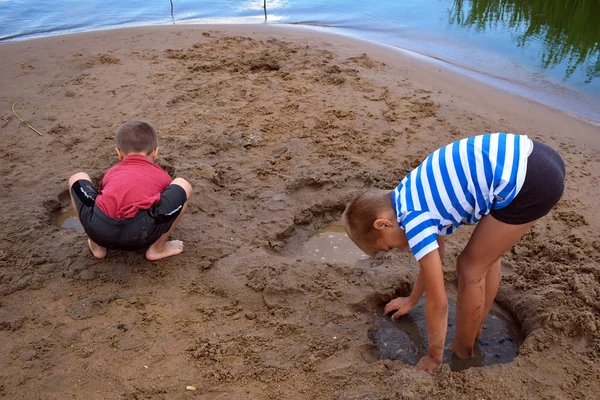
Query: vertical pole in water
pixel 172 17
pixel 265 7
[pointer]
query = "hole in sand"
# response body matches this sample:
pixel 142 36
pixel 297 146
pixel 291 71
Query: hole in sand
pixel 332 244
pixel 67 219
pixel 405 338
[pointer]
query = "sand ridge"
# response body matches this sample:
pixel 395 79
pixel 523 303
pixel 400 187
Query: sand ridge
pixel 275 129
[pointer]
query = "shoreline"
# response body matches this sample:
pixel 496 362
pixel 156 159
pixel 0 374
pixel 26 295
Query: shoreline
pixel 494 82
pixel 541 96
pixel 414 59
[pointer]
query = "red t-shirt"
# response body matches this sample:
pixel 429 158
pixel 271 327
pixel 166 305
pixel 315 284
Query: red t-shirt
pixel 133 184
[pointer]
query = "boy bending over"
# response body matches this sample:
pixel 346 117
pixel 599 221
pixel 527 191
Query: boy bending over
pixel 501 182
pixel 138 205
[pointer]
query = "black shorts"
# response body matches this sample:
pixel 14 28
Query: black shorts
pixel 134 233
pixel 542 189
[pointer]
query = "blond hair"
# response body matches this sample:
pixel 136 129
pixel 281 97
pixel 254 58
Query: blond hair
pixel 360 215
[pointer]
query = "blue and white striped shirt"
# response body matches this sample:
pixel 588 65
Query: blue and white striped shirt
pixel 458 184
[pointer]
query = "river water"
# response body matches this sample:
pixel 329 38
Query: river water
pixel 546 50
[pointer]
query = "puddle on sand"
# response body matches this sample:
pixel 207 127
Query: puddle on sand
pixel 332 244
pixel 67 219
pixel 405 338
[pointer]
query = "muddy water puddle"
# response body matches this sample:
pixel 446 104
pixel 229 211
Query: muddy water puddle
pixel 406 338
pixel 332 244
pixel 67 219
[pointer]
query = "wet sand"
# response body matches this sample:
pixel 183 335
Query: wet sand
pixel 276 128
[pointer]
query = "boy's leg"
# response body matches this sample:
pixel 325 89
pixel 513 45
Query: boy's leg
pixel 72 180
pixel 490 240
pixel 492 283
pixel 163 248
pixel 97 250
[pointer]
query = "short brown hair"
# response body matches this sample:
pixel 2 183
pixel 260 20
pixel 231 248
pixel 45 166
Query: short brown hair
pixel 361 213
pixel 136 137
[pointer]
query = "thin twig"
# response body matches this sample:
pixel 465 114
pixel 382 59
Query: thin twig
pixel 22 120
pixel 2 117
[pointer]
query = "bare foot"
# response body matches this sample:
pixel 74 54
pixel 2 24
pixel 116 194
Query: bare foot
pixel 97 250
pixel 168 249
pixel 460 351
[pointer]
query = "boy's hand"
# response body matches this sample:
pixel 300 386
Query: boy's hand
pixel 402 304
pixel 428 364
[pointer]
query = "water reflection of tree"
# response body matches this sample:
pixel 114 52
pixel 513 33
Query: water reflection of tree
pixel 569 29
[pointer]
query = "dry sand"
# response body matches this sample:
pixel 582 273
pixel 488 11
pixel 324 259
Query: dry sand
pixel 275 128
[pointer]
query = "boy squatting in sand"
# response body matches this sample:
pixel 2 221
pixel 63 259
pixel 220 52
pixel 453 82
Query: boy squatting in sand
pixel 502 182
pixel 138 205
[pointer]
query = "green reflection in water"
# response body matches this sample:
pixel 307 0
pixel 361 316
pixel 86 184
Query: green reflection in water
pixel 568 29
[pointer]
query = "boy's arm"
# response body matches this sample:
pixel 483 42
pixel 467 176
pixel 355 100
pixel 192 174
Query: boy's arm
pixel 419 287
pixel 405 304
pixel 436 310
pixel 442 247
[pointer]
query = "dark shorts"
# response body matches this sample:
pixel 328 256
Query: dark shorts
pixel 542 189
pixel 134 233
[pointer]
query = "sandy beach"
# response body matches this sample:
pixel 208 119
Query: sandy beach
pixel 276 128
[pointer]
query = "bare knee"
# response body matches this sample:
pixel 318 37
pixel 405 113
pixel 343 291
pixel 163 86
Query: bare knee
pixel 470 271
pixel 80 175
pixel 185 185
pixel 462 264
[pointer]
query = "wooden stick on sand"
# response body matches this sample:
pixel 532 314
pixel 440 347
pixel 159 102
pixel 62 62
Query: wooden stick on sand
pixel 265 6
pixel 22 120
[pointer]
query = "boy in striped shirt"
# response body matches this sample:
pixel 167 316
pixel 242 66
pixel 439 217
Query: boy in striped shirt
pixel 501 182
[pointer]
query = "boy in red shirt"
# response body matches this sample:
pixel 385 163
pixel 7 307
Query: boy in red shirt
pixel 138 205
